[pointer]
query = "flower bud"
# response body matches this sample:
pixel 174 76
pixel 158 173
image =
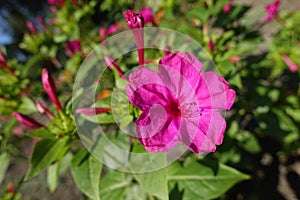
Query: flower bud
pixel 27 121
pixel 92 111
pixel 50 88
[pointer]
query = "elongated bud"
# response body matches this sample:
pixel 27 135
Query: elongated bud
pixel 4 64
pixel 102 33
pixel 92 111
pixel 135 21
pixel 27 121
pixel 43 109
pixel 113 64
pixel 50 88
pixel 211 45
pixel 32 28
pixel 292 66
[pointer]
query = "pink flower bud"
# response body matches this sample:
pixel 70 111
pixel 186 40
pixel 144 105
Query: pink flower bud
pixel 113 28
pixel 43 109
pixel 234 59
pixel 27 121
pixel 292 66
pixel 92 111
pixel 134 20
pixel 272 11
pixel 4 64
pixel 11 188
pixel 211 45
pixel 148 16
pixel 102 33
pixel 50 88
pixel 226 9
pixel 32 28
pixel 72 47
pixel 113 64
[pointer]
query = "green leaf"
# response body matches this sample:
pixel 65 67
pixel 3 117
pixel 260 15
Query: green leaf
pixel 155 181
pixel 41 133
pixel 45 152
pixel 4 160
pixel 199 181
pixel 27 106
pixel 52 176
pixel 113 185
pixel 86 171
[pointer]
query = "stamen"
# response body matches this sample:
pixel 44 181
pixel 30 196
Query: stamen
pixel 190 110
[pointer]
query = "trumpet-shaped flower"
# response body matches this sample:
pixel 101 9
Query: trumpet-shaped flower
pixel 292 66
pixel 179 103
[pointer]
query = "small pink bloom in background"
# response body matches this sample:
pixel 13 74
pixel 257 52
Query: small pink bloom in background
pixel 72 47
pixel 18 130
pixel 234 59
pixel 11 188
pixel 102 33
pixel 211 45
pixel 50 88
pixel 179 103
pixel 148 16
pixel 292 66
pixel 43 109
pixel 111 64
pixel 92 111
pixel 27 121
pixel 59 2
pixel 135 21
pixel 226 9
pixel 272 11
pixel 113 28
pixel 32 28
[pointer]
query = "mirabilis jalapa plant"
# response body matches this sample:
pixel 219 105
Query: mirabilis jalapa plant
pixel 188 98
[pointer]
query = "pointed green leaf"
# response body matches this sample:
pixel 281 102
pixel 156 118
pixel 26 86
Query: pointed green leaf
pixel 4 160
pixel 52 176
pixel 86 171
pixel 199 181
pixel 113 185
pixel 45 152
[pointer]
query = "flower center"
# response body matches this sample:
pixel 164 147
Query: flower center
pixel 189 110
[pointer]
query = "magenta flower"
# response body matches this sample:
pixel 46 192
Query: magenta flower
pixel 50 88
pixel 111 64
pixel 135 21
pixel 27 121
pixel 92 111
pixel 292 66
pixel 148 16
pixel 226 9
pixel 41 22
pixel 179 103
pixel 43 109
pixel 113 28
pixel 32 28
pixel 272 11
pixel 72 47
